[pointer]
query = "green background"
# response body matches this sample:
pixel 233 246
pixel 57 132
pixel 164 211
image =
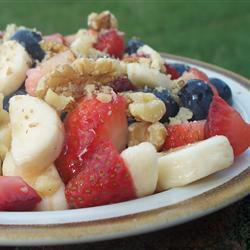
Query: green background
pixel 217 32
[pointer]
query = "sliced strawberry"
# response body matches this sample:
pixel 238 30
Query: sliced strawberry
pixel 112 42
pixel 224 120
pixel 198 74
pixel 17 195
pixel 104 178
pixel 183 134
pixel 172 71
pixel 195 73
pixel 90 120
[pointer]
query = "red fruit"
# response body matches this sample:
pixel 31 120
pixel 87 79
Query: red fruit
pixel 183 134
pixel 104 179
pixel 224 120
pixel 197 74
pixel 172 71
pixel 91 119
pixel 112 42
pixel 17 195
pixel 122 84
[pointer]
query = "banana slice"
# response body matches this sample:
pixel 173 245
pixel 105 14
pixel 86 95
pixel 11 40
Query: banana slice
pixel 37 133
pixel 157 60
pixel 48 184
pixel 193 162
pixel 14 62
pixel 57 201
pixel 141 75
pixel 141 161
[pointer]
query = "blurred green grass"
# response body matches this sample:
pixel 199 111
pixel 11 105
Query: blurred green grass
pixel 213 31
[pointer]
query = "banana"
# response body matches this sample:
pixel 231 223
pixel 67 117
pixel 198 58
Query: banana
pixel 57 201
pixel 14 63
pixel 157 60
pixel 141 75
pixel 141 160
pixel 193 162
pixel 37 134
pixel 48 184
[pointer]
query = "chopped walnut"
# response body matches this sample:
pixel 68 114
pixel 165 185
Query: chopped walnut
pixel 145 106
pixel 131 59
pixel 59 102
pixel 52 47
pixel 143 131
pixel 156 61
pixel 103 20
pixel 183 115
pixel 103 97
pixel 70 80
pixel 82 46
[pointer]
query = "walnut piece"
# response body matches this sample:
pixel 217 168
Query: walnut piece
pixel 143 131
pixel 145 106
pixel 103 20
pixel 183 115
pixel 59 102
pixel 82 46
pixel 70 80
pixel 52 47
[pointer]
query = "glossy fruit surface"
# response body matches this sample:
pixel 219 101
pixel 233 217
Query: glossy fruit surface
pixel 222 88
pixel 30 41
pixel 133 45
pixel 224 120
pixel 112 42
pixel 17 195
pixel 197 96
pixel 184 133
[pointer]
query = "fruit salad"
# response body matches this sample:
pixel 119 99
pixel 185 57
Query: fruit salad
pixel 88 120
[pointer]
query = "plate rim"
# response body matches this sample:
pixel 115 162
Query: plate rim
pixel 143 222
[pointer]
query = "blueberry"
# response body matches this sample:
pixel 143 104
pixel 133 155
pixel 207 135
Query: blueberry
pixel 223 89
pixel 179 67
pixel 30 41
pixel 172 107
pixel 131 120
pixel 197 96
pixel 133 45
pixel 20 91
pixel 63 116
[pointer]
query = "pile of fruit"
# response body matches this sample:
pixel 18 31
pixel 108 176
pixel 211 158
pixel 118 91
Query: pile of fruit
pixel 86 120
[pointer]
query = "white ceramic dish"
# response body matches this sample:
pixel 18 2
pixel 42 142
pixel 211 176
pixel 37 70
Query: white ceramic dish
pixel 161 210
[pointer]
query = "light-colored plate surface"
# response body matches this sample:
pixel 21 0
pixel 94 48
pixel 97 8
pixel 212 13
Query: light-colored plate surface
pixel 161 210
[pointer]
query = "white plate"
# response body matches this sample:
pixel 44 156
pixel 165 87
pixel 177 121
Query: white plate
pixel 157 211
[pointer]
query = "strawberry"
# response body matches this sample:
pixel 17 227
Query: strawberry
pixel 104 178
pixel 183 134
pixel 89 120
pixel 110 41
pixel 224 120
pixel 17 195
pixel 172 71
pixel 198 74
pixel 194 73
